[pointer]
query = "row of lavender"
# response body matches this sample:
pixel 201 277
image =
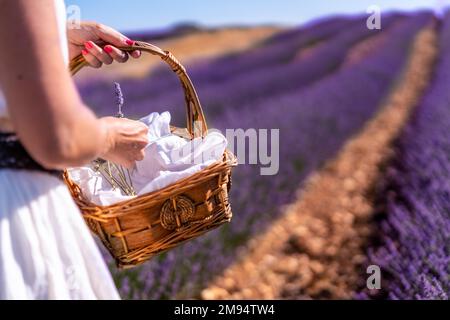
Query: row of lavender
pixel 414 252
pixel 272 68
pixel 313 124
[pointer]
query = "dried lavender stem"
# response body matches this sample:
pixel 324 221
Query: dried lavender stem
pixel 115 174
pixel 119 99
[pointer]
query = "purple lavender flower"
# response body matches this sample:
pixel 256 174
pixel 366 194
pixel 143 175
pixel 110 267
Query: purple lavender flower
pixel 119 99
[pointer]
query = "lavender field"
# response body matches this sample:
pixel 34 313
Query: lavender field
pixel 319 85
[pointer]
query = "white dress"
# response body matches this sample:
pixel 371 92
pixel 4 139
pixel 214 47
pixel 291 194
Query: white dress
pixel 46 250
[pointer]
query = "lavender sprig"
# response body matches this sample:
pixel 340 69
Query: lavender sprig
pixel 119 99
pixel 114 174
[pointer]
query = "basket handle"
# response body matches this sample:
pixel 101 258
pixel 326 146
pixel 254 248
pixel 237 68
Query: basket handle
pixel 196 123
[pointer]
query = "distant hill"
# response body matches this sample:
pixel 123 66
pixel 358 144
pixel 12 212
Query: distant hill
pixel 171 32
pixel 184 29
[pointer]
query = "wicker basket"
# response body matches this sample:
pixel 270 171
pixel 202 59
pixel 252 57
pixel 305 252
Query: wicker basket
pixel 135 230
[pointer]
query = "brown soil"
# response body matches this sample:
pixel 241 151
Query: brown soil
pixel 200 45
pixel 316 249
pixel 364 48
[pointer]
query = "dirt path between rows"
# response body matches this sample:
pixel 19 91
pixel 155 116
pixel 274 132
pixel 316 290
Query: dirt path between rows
pixel 316 249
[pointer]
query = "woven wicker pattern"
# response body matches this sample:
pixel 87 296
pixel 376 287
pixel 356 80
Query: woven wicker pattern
pixel 135 230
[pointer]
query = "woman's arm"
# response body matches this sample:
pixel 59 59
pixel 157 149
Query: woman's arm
pixel 46 110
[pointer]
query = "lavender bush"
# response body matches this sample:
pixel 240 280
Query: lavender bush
pixel 414 249
pixel 315 117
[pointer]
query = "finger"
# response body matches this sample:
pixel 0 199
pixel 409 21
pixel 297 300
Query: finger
pixel 91 59
pixel 116 54
pixel 129 164
pixel 97 52
pixel 143 128
pixel 135 54
pixel 140 155
pixel 112 36
pixel 140 145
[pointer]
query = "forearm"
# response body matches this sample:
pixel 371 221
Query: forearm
pixel 71 143
pixel 45 108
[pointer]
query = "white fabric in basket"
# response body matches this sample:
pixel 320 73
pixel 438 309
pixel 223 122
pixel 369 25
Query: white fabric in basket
pixel 168 158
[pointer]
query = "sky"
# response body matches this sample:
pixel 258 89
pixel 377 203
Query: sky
pixel 134 15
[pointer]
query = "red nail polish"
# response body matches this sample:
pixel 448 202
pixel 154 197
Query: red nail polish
pixel 108 49
pixel 129 42
pixel 84 52
pixel 88 45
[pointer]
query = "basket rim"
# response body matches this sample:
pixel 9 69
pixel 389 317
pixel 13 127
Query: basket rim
pixel 228 160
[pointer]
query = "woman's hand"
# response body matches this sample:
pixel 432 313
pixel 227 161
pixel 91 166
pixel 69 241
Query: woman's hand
pixel 86 37
pixel 126 140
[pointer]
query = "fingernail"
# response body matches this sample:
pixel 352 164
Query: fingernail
pixel 129 42
pixel 108 49
pixel 88 45
pixel 84 52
